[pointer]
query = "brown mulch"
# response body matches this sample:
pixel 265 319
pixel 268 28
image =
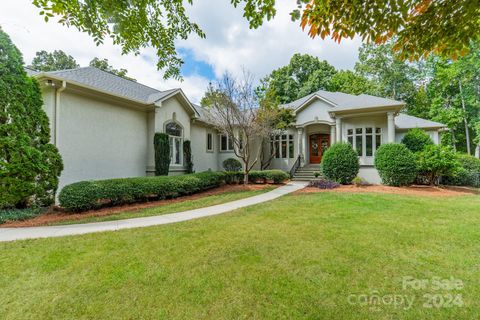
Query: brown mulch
pixel 415 190
pixel 56 214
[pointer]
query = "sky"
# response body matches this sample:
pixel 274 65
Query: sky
pixel 229 46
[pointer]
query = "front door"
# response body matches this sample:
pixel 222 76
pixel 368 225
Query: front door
pixel 319 143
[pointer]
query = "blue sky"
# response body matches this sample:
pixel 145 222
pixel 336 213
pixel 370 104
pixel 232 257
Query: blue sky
pixel 229 46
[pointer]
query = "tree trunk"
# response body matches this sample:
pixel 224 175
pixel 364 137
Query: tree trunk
pixel 245 178
pixel 467 133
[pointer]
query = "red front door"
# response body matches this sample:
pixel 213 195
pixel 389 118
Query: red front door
pixel 318 144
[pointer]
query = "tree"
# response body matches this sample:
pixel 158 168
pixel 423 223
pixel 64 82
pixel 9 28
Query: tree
pixel 347 81
pixel 162 153
pixel 232 108
pixel 303 75
pixel 52 61
pixel 421 26
pixel 29 164
pixel 103 64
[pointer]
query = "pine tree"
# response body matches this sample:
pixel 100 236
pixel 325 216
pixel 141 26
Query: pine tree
pixel 29 164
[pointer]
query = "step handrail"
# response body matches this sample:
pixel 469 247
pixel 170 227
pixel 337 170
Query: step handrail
pixel 295 166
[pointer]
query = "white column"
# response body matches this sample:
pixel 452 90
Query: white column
pixel 332 134
pixel 304 147
pixel 338 129
pixel 299 141
pixel 391 127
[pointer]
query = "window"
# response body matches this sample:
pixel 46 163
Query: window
pixel 359 141
pixel 226 143
pixel 365 140
pixel 283 145
pixel 209 142
pixel 174 130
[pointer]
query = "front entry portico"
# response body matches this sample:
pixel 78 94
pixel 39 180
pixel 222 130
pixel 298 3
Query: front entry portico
pixel 318 143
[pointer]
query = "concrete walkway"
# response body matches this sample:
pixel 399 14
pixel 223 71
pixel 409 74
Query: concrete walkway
pixel 10 234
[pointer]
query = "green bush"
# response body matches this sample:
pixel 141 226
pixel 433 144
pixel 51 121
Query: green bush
pixel 187 155
pixel 29 164
pixel 161 144
pixel 395 164
pixel 87 195
pixel 233 177
pixel 232 164
pixel 416 140
pixel 277 176
pixel 19 214
pixel 468 174
pixel 436 161
pixel 340 163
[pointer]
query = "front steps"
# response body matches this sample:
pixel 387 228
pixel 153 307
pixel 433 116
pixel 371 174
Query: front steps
pixel 306 173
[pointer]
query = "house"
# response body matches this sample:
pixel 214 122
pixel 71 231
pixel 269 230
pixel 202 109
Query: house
pixel 103 126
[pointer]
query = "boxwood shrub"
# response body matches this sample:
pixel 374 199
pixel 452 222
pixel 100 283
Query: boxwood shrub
pixel 395 164
pixel 19 214
pixel 416 140
pixel 340 163
pixel 87 195
pixel 263 176
pixel 468 174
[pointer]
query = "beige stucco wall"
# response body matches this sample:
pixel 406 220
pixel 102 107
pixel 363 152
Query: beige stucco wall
pixel 100 140
pixel 203 160
pixel 316 109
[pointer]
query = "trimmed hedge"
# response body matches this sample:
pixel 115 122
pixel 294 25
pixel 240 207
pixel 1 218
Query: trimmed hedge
pixel 416 140
pixel 232 164
pixel 86 195
pixel 19 214
pixel 395 164
pixel 340 163
pixel 468 174
pixel 257 176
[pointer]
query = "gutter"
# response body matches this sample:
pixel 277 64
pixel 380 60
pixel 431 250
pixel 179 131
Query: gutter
pixel 57 113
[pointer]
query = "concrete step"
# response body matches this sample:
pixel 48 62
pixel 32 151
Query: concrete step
pixel 304 174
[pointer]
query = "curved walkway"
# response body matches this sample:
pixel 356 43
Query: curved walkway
pixel 10 234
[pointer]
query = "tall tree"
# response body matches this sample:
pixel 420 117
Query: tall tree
pixel 303 75
pixel 52 61
pixel 29 164
pixel 347 81
pixel 103 64
pixel 422 26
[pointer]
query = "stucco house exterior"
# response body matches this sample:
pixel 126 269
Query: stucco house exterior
pixel 103 126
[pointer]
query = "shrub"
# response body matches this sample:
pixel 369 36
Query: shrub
pixel 29 164
pixel 187 155
pixel 468 174
pixel 277 176
pixel 87 195
pixel 323 184
pixel 436 161
pixel 232 164
pixel 19 214
pixel 395 164
pixel 232 177
pixel 162 154
pixel 340 163
pixel 416 140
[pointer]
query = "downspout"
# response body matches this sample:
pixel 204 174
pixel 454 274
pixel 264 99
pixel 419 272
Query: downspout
pixel 57 113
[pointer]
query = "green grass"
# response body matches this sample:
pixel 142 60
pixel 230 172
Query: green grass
pixel 298 257
pixel 189 204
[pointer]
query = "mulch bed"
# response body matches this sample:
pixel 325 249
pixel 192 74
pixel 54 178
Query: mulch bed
pixel 56 214
pixel 415 190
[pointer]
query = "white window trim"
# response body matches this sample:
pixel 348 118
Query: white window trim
pixel 180 138
pixel 289 138
pixel 206 143
pixel 364 139
pixel 228 150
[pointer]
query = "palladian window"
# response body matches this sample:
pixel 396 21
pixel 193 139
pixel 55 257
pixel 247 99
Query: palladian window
pixel 175 131
pixel 365 140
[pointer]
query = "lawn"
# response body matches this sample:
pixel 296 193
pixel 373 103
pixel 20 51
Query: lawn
pixel 302 256
pixel 176 206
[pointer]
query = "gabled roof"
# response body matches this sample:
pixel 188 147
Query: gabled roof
pixel 405 121
pixel 344 101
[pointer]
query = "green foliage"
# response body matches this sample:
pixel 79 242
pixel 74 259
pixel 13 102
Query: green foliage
pixel 436 161
pixel 395 164
pixel 86 195
pixel 303 75
pixel 416 139
pixel 29 164
pixel 263 176
pixel 103 64
pixel 468 174
pixel 19 214
pixel 232 164
pixel 340 163
pixel 187 155
pixel 347 81
pixel 52 61
pixel 161 145
pixel 455 23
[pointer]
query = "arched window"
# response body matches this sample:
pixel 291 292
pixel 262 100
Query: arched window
pixel 174 130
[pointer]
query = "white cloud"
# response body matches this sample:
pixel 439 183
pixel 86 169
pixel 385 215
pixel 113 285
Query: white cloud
pixel 230 45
